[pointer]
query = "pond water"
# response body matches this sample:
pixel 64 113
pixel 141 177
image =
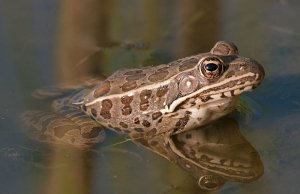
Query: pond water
pixel 45 43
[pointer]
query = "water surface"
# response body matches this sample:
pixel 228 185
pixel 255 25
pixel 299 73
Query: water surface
pixel 44 43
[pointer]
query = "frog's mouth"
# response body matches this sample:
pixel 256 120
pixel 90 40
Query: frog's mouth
pixel 231 88
pixel 228 88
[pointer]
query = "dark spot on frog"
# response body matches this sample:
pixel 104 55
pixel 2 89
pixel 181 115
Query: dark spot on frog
pixel 205 98
pixel 140 130
pixel 94 112
pixel 159 120
pixel 205 158
pixel 232 93
pixel 117 129
pixel 136 120
pixel 156 115
pixel 173 114
pixel 141 140
pixel 105 110
pixel 138 136
pixel 126 131
pixel 144 98
pixel 144 107
pixel 222 95
pixel 222 161
pixel 93 133
pixel 153 143
pixel 126 100
pixel 181 123
pixel 165 68
pixel 188 64
pixel 161 91
pixel 126 110
pixel 124 125
pixel 240 83
pixel 222 48
pixel 135 77
pixel 152 132
pixel 158 76
pixel 146 123
pixel 129 86
pixel 192 152
pixel 102 89
pixel 84 108
pixel 229 74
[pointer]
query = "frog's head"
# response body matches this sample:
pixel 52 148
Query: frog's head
pixel 220 75
pixel 224 71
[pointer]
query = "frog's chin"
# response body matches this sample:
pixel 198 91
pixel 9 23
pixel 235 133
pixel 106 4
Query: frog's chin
pixel 202 114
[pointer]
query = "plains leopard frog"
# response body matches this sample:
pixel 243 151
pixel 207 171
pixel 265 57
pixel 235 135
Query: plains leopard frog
pixel 166 108
pixel 174 97
pixel 145 102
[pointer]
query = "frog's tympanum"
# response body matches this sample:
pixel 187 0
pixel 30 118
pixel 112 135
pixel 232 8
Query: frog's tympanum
pixel 150 102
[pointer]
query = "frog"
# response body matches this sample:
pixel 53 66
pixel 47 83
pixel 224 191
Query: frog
pixel 145 102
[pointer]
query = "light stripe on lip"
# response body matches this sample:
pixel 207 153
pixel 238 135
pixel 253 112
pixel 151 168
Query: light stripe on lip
pixel 78 103
pixel 207 88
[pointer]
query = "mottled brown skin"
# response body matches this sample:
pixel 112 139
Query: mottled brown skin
pixel 138 100
pixel 143 103
pixel 161 107
pixel 168 98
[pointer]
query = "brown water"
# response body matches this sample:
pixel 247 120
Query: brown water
pixel 43 43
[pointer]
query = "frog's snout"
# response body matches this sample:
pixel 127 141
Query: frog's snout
pixel 257 69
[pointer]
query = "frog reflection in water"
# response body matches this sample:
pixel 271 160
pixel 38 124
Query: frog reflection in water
pixel 213 154
pixel 148 102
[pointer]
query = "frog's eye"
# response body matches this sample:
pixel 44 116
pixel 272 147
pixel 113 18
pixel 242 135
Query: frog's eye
pixel 211 67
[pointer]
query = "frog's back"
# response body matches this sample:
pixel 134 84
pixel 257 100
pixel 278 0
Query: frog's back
pixel 175 97
pixel 130 79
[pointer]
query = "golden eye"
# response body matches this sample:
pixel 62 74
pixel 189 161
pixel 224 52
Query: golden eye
pixel 211 67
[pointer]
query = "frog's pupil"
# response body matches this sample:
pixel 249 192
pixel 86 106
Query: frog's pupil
pixel 211 67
